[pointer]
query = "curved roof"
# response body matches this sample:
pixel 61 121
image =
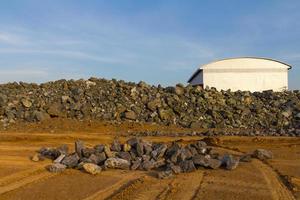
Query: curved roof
pixel 246 62
pixel 242 63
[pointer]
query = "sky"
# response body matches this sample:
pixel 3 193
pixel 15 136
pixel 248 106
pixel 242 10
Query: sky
pixel 160 42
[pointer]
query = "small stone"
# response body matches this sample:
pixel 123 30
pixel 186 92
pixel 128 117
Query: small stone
pixel 87 152
pixel 165 174
pixel 187 166
pixel 148 165
pixel 126 147
pixel 214 163
pixel 201 160
pixel 176 169
pixel 79 145
pixel 35 157
pixel 108 152
pixel 133 141
pixel 56 167
pixel 230 162
pixel 159 152
pixel 99 148
pixel 140 149
pixel 124 155
pixel 245 158
pixel 262 154
pixel 130 115
pixel 59 158
pixel 71 160
pixel 97 158
pixel 26 103
pixel 92 168
pixel 117 163
pixel 136 164
pixel 116 146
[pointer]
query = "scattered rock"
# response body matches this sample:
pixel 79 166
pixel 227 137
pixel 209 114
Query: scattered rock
pixel 79 146
pixel 59 158
pixel 35 157
pixel 92 168
pixel 165 174
pixel 262 154
pixel 117 163
pixel 56 167
pixel 230 162
pixel 71 160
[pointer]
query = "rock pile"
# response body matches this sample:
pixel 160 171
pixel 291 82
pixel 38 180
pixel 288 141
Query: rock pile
pixel 186 106
pixel 138 154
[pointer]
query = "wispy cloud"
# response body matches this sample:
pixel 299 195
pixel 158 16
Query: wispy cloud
pixel 12 39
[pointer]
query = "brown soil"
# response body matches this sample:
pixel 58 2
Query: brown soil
pixel 21 178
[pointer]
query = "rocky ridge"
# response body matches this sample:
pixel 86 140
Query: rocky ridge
pixel 186 106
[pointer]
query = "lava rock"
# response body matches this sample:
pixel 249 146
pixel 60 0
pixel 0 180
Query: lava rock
pixel 71 160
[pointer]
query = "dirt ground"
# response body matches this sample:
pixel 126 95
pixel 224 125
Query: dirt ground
pixel 21 178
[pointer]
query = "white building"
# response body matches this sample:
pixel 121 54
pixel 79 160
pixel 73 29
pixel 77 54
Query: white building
pixel 244 73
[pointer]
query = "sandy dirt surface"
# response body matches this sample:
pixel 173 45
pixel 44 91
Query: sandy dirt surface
pixel 21 178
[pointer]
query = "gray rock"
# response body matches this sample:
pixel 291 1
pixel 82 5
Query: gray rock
pixel 214 163
pixel 245 158
pixel 187 166
pixel 165 174
pixel 97 158
pixel 99 148
pixel 87 152
pixel 71 160
pixel 148 165
pixel 136 164
pixel 230 162
pixel 116 146
pixel 79 146
pixel 140 148
pixel 124 155
pixel 201 160
pixel 56 167
pixel 117 163
pixel 262 154
pixel 59 158
pixel 159 152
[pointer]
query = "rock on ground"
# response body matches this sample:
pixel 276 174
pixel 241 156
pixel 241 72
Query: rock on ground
pixel 92 168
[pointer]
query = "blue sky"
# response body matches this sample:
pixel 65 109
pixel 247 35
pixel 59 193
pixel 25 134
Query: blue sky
pixel 160 42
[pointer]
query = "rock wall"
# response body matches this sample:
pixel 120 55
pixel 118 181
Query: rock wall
pixel 100 99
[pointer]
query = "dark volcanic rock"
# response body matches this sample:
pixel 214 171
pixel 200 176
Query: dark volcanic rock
pixel 71 160
pixel 187 166
pixel 79 146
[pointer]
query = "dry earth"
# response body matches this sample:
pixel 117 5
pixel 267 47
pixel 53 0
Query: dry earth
pixel 20 178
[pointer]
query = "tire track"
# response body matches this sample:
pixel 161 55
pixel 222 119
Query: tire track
pixel 278 187
pixel 111 190
pixel 20 179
